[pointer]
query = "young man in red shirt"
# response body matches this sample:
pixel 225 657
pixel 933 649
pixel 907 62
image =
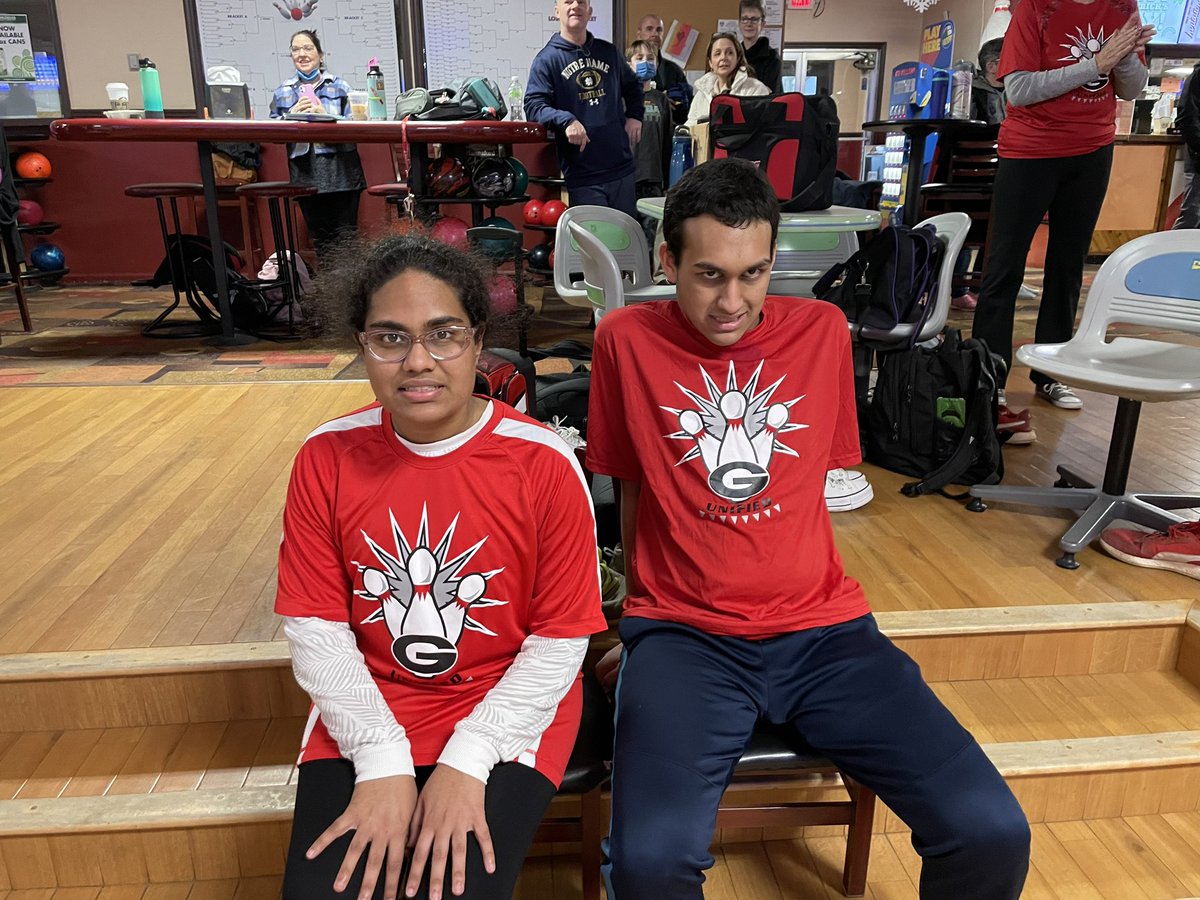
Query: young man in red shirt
pixel 720 415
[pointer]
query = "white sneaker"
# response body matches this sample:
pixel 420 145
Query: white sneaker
pixel 846 489
pixel 1025 292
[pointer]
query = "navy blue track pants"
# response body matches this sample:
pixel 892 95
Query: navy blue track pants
pixel 688 701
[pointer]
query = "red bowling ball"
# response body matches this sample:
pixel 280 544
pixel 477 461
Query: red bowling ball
pixel 532 211
pixel 29 212
pixel 502 293
pixel 451 230
pixel 552 211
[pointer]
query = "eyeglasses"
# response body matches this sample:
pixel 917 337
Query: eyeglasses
pixel 307 48
pixel 750 20
pixel 442 344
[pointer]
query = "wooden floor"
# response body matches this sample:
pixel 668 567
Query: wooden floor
pixel 150 515
pixel 1139 858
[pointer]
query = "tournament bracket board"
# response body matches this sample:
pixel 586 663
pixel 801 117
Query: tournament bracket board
pixel 1177 21
pixel 254 36
pixel 494 38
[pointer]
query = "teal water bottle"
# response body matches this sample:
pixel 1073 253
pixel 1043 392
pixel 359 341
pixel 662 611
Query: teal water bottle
pixel 151 89
pixel 376 102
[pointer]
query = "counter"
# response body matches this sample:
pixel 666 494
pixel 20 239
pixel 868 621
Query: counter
pixel 1147 175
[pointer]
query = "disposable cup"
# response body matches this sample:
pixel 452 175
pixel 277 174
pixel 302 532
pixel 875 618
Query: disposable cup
pixel 358 105
pixel 118 95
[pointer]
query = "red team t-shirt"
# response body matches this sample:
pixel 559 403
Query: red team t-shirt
pixel 731 446
pixel 442 566
pixel 1050 34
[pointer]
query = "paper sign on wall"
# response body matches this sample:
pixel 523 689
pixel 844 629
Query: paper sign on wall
pixel 680 40
pixel 16 49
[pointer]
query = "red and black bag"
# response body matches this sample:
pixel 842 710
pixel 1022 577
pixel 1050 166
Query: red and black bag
pixel 507 376
pixel 792 138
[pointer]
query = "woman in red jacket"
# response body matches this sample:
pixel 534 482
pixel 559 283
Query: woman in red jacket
pixel 1064 64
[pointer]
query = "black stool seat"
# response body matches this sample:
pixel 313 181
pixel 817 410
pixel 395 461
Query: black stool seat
pixel 275 189
pixel 165 189
pixel 391 189
pixel 587 768
pixel 772 750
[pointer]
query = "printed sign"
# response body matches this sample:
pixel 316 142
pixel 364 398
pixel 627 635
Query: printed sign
pixel 937 44
pixel 16 49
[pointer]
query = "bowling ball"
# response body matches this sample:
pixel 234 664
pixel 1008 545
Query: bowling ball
pixel 552 211
pixel 493 178
pixel 29 212
pixel 448 178
pixel 532 211
pixel 501 247
pixel 32 165
pixel 47 257
pixel 502 294
pixel 522 175
pixel 551 259
pixel 539 257
pixel 451 230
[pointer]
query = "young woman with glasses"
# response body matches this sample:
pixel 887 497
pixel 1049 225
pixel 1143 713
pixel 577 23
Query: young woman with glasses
pixel 438 584
pixel 725 72
pixel 762 57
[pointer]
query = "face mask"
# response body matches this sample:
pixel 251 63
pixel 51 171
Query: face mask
pixel 645 70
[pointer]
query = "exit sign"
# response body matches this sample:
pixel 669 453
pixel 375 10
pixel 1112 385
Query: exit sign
pixel 800 4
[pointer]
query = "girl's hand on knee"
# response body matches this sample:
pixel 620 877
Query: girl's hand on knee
pixel 449 807
pixel 379 814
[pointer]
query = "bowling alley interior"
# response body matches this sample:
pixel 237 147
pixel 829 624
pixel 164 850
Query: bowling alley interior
pixel 186 189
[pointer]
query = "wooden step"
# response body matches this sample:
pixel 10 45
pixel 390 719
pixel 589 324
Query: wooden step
pixel 165 685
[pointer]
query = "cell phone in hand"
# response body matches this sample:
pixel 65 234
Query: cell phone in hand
pixel 310 94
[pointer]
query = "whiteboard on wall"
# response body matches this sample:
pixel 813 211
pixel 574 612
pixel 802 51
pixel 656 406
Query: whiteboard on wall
pixel 254 36
pixel 496 38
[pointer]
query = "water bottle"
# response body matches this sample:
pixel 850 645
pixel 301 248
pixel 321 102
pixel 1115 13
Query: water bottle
pixel 151 89
pixel 961 79
pixel 681 154
pixel 516 100
pixel 376 101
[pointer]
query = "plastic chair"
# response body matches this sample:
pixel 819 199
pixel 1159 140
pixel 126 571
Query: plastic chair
pixel 602 280
pixel 1152 282
pixel 801 257
pixel 622 236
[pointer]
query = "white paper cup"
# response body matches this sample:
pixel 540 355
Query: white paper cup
pixel 358 105
pixel 118 95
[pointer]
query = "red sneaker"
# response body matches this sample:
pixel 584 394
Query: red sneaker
pixel 1017 425
pixel 1177 549
pixel 964 302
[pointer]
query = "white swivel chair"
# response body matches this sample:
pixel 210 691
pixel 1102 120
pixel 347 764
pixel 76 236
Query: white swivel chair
pixel 1153 282
pixel 626 242
pixel 601 279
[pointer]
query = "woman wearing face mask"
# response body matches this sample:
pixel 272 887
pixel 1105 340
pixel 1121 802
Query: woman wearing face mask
pixel 653 152
pixel 333 169
pixel 725 72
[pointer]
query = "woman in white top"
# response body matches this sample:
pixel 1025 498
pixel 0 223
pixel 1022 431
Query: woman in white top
pixel 725 72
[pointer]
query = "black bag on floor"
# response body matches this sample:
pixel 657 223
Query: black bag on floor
pixel 893 280
pixel 933 415
pixel 792 138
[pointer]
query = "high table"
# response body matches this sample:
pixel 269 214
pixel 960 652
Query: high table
pixel 204 132
pixel 918 130
pixel 815 239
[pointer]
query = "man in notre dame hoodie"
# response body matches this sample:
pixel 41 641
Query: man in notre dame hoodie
pixel 581 88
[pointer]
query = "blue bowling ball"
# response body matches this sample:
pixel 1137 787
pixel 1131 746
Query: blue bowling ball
pixel 47 257
pixel 505 243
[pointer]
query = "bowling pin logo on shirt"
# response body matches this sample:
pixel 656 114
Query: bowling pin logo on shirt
pixel 735 433
pixel 426 598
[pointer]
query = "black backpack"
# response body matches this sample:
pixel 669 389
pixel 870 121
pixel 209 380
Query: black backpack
pixel 933 415
pixel 475 98
pixel 792 138
pixel 893 280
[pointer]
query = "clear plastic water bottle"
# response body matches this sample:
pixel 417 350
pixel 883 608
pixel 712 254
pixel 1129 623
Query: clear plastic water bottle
pixel 961 79
pixel 516 100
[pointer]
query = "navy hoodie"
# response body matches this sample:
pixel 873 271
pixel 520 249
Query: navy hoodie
pixel 595 85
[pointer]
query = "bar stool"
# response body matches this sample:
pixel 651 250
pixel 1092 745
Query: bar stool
pixel 394 194
pixel 177 261
pixel 279 196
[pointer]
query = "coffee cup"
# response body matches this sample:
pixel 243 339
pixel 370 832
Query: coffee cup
pixel 358 105
pixel 118 95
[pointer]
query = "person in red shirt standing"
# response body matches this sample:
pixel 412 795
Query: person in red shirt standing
pixel 719 415
pixel 1064 64
pixel 438 581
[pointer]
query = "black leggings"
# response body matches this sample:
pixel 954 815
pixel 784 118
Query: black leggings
pixel 329 217
pixel 516 800
pixel 1072 190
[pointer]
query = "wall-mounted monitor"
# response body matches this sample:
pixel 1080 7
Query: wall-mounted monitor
pixel 1177 21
